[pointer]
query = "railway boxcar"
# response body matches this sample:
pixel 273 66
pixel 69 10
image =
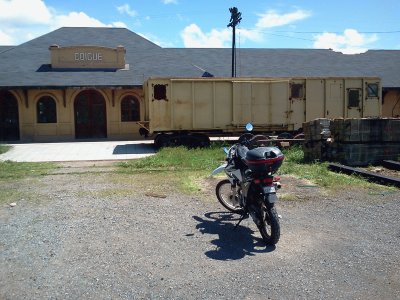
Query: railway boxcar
pixel 186 110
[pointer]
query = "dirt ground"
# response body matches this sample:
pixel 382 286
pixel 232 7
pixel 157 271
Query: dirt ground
pixel 88 232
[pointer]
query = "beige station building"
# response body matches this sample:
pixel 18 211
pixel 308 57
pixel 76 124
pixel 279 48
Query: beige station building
pixel 77 84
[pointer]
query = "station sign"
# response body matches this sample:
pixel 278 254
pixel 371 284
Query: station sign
pixel 87 57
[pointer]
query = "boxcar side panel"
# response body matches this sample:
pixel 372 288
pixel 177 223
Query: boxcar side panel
pixel 203 105
pixel 159 107
pixel 223 105
pixel 353 98
pixel 372 106
pixel 279 105
pixel 297 103
pixel 260 93
pixel 182 103
pixel 241 102
pixel 334 105
pixel 270 104
pixel 315 99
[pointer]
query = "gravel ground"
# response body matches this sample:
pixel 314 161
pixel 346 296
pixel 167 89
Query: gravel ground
pixel 82 234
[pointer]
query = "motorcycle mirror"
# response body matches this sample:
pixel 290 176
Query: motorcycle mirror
pixel 249 127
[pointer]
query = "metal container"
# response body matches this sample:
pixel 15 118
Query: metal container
pixel 264 159
pixel 270 104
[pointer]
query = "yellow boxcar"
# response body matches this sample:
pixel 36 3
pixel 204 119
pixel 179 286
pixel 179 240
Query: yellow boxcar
pixel 270 104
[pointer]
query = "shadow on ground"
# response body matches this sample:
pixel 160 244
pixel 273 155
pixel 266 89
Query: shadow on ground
pixel 133 149
pixel 232 243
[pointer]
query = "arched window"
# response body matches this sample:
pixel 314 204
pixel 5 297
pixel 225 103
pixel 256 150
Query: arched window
pixel 130 109
pixel 46 110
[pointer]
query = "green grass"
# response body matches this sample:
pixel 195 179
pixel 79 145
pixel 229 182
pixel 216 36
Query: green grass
pixel 202 161
pixel 316 172
pixel 4 148
pixel 10 170
pixel 178 158
pixel 13 175
pixel 187 169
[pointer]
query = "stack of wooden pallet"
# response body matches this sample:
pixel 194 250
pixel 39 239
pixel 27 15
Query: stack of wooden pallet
pixel 357 142
pixel 315 145
pixel 360 142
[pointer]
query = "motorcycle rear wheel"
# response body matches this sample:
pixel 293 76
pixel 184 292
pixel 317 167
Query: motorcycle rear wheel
pixel 269 226
pixel 227 197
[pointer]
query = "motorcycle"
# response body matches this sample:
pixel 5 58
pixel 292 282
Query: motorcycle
pixel 250 187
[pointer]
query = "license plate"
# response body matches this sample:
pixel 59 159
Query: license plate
pixel 271 198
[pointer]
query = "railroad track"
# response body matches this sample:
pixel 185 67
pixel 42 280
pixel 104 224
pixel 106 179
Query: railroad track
pixel 371 176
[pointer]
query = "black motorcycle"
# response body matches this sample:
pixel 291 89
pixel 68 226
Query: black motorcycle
pixel 251 187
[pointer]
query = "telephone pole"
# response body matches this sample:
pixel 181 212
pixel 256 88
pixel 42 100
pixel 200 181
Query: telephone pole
pixel 236 17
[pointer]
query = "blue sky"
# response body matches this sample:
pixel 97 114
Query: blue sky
pixel 346 26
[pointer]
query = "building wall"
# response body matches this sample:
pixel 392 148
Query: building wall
pixel 391 104
pixel 64 129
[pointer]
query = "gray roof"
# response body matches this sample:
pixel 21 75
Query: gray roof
pixel 299 63
pixel 5 48
pixel 22 66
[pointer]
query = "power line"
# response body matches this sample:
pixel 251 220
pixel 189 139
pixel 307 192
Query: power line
pixel 275 32
pixel 278 33
pixel 338 32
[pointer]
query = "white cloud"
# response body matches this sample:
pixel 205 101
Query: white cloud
pixel 5 39
pixel 170 1
pixel 156 40
pixel 118 24
pixel 126 9
pixel 252 35
pixel 194 37
pixel 272 18
pixel 15 15
pixel 350 42
pixel 76 19
pixel 24 12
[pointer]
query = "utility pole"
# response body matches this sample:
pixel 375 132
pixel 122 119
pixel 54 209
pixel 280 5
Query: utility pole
pixel 236 17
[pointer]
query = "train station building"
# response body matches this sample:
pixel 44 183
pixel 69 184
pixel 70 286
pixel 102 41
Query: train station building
pixel 87 83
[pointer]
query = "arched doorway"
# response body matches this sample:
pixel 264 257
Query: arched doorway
pixel 90 115
pixel 9 119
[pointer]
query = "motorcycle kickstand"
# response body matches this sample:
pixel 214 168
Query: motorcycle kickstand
pixel 244 216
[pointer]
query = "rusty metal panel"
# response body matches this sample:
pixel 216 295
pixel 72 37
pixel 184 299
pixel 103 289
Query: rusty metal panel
pixel 391 104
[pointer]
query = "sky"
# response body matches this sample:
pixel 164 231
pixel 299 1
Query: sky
pixel 348 26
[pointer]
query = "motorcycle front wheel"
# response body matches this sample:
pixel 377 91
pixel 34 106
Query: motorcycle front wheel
pixel 227 196
pixel 269 226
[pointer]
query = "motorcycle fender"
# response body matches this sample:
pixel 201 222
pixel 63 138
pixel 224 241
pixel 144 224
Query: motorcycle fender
pixel 220 169
pixel 270 197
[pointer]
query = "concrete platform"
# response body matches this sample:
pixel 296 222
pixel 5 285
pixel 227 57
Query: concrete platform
pixel 78 151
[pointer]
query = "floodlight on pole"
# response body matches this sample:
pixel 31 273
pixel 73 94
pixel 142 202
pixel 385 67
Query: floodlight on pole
pixel 236 17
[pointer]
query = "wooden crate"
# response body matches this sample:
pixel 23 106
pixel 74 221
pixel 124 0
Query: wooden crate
pixel 316 130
